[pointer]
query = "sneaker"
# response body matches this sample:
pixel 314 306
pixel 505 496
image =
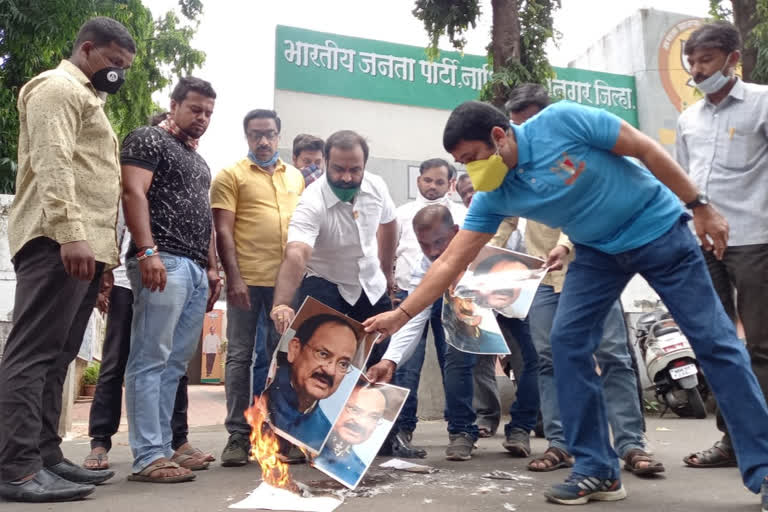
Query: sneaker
pixel 765 494
pixel 236 451
pixel 518 442
pixel 460 446
pixel 580 489
pixel 291 455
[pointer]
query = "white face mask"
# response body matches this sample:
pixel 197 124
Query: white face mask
pixel 715 81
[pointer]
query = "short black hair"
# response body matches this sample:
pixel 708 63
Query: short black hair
pixel 472 120
pixel 103 31
pixel 346 139
pixel 719 34
pixel 432 214
pixel 260 113
pixel 438 162
pixel 462 178
pixel 191 83
pixel 488 263
pixel 307 329
pixel 525 95
pixel 306 142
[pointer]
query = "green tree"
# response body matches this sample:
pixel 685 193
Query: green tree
pixel 520 29
pixel 751 18
pixel 36 34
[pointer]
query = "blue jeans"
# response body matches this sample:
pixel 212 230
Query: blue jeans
pixel 673 265
pixel 243 342
pixel 618 378
pixel 460 387
pixel 165 333
pixel 408 374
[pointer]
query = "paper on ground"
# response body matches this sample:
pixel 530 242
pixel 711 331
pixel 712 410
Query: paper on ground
pixel 267 497
pixel 407 466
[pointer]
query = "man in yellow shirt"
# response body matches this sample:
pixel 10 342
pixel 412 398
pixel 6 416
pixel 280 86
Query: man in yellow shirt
pixel 252 204
pixel 61 233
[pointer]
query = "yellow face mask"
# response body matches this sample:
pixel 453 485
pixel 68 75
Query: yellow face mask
pixel 488 174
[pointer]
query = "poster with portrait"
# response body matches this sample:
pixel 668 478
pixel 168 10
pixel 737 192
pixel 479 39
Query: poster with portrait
pixel 314 369
pixel 471 328
pixel 212 352
pixel 362 427
pixel 502 280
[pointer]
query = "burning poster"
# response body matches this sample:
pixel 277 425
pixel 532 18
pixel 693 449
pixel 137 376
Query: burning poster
pixel 502 280
pixel 360 430
pixel 314 369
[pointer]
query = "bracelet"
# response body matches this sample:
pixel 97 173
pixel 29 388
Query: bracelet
pixel 146 253
pixel 401 308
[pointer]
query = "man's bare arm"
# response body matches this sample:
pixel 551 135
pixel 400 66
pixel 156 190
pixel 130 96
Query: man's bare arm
pixel 237 290
pixel 457 256
pixel 387 236
pixel 289 277
pixel 711 227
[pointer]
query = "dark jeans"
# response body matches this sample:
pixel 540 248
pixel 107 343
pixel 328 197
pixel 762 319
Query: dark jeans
pixel 50 315
pixel 261 357
pixel 674 266
pixel 408 374
pixel 242 329
pixel 104 419
pixel 745 269
pixel 460 386
pixel 328 293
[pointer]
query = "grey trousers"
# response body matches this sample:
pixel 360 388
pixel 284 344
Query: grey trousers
pixel 486 399
pixel 50 315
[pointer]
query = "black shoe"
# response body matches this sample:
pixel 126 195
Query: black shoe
pixel 65 469
pixel 401 446
pixel 45 486
pixel 237 450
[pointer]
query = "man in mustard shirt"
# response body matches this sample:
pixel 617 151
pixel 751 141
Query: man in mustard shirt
pixel 61 233
pixel 252 204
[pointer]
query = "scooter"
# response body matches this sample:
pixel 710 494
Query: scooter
pixel 671 365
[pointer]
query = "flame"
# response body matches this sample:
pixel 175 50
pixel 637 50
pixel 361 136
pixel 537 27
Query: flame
pixel 265 448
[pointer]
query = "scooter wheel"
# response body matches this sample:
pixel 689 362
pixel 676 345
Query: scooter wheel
pixel 696 404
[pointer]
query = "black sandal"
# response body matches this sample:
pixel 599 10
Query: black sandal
pixel 637 455
pixel 719 456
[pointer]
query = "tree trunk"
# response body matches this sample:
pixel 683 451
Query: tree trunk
pixel 745 20
pixel 505 40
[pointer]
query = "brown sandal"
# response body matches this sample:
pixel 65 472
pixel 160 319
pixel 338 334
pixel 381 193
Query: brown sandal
pixel 719 456
pixel 554 458
pixel 637 455
pixel 145 475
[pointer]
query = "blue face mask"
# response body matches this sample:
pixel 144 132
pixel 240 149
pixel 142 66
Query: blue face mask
pixel 265 163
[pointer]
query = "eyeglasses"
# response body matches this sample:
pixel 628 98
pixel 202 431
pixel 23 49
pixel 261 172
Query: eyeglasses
pixel 325 358
pixel 358 412
pixel 255 136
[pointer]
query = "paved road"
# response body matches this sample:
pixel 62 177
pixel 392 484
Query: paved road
pixel 458 486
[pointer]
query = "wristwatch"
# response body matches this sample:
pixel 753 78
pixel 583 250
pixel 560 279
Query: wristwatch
pixel 702 199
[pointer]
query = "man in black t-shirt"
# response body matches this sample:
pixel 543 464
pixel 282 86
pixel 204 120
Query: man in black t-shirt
pixel 172 268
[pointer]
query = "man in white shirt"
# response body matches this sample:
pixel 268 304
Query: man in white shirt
pixel 435 181
pixel 341 239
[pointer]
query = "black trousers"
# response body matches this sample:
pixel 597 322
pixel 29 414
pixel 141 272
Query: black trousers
pixel 50 315
pixel 744 269
pixel 106 408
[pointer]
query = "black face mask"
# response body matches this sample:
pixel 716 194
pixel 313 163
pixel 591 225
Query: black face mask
pixel 108 79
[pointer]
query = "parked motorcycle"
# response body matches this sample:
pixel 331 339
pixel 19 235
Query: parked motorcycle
pixel 671 365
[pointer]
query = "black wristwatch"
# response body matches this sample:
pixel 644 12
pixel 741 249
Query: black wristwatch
pixel 702 199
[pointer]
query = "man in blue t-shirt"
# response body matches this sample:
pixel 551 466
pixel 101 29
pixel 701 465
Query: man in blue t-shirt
pixel 566 168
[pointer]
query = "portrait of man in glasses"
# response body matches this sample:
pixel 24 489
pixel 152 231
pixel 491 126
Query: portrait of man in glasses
pixel 359 430
pixel 318 357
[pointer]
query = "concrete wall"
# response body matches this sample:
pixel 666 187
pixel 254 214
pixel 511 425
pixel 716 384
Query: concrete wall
pixel 632 48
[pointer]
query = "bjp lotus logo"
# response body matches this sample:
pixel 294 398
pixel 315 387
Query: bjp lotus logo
pixel 674 69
